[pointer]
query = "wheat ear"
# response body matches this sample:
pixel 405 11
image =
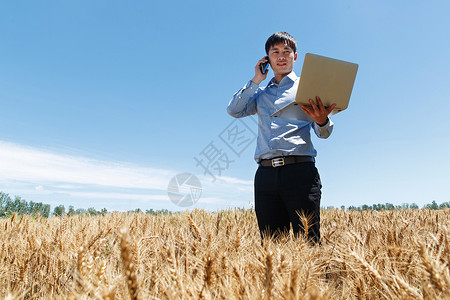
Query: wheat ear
pixel 194 228
pixel 435 276
pixel 129 268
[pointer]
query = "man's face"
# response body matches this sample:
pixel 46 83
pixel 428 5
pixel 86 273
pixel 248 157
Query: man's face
pixel 282 58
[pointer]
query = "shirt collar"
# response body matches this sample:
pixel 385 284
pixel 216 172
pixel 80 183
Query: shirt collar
pixel 290 77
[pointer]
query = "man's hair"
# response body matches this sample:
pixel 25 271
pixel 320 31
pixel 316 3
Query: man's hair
pixel 281 38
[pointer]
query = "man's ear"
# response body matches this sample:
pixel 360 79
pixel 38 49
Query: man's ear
pixel 295 56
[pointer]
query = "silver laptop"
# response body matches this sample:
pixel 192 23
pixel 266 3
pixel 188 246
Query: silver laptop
pixel 330 79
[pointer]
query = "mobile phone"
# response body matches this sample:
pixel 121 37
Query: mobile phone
pixel 264 66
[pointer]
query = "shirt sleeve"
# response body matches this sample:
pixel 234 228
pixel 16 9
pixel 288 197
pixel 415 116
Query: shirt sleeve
pixel 324 131
pixel 243 102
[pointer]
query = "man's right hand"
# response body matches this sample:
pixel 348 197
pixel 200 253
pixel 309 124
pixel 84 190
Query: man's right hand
pixel 259 77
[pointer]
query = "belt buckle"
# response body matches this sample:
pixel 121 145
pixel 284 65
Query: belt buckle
pixel 278 162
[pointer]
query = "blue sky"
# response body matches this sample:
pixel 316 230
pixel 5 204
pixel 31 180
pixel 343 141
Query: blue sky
pixel 103 102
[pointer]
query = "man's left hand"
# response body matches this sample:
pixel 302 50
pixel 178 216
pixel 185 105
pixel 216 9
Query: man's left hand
pixel 317 111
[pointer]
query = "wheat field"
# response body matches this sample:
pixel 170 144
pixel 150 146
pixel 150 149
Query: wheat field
pixel 399 254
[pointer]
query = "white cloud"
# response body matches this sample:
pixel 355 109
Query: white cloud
pixel 38 166
pixel 223 203
pixel 41 175
pixel 232 180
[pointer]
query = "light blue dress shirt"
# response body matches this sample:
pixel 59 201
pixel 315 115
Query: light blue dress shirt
pixel 277 136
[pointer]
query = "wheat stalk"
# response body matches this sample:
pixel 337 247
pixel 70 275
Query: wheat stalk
pixel 268 276
pixel 85 257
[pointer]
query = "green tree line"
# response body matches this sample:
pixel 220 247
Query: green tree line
pixel 9 206
pixel 390 206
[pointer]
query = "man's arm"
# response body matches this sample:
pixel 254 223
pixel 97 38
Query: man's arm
pixel 243 102
pixel 322 124
pixel 324 131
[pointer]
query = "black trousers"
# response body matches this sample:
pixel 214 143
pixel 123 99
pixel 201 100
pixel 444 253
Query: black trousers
pixel 282 193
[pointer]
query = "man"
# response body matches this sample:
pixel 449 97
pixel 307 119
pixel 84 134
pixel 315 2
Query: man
pixel 287 183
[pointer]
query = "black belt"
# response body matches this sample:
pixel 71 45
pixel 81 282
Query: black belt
pixel 285 160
